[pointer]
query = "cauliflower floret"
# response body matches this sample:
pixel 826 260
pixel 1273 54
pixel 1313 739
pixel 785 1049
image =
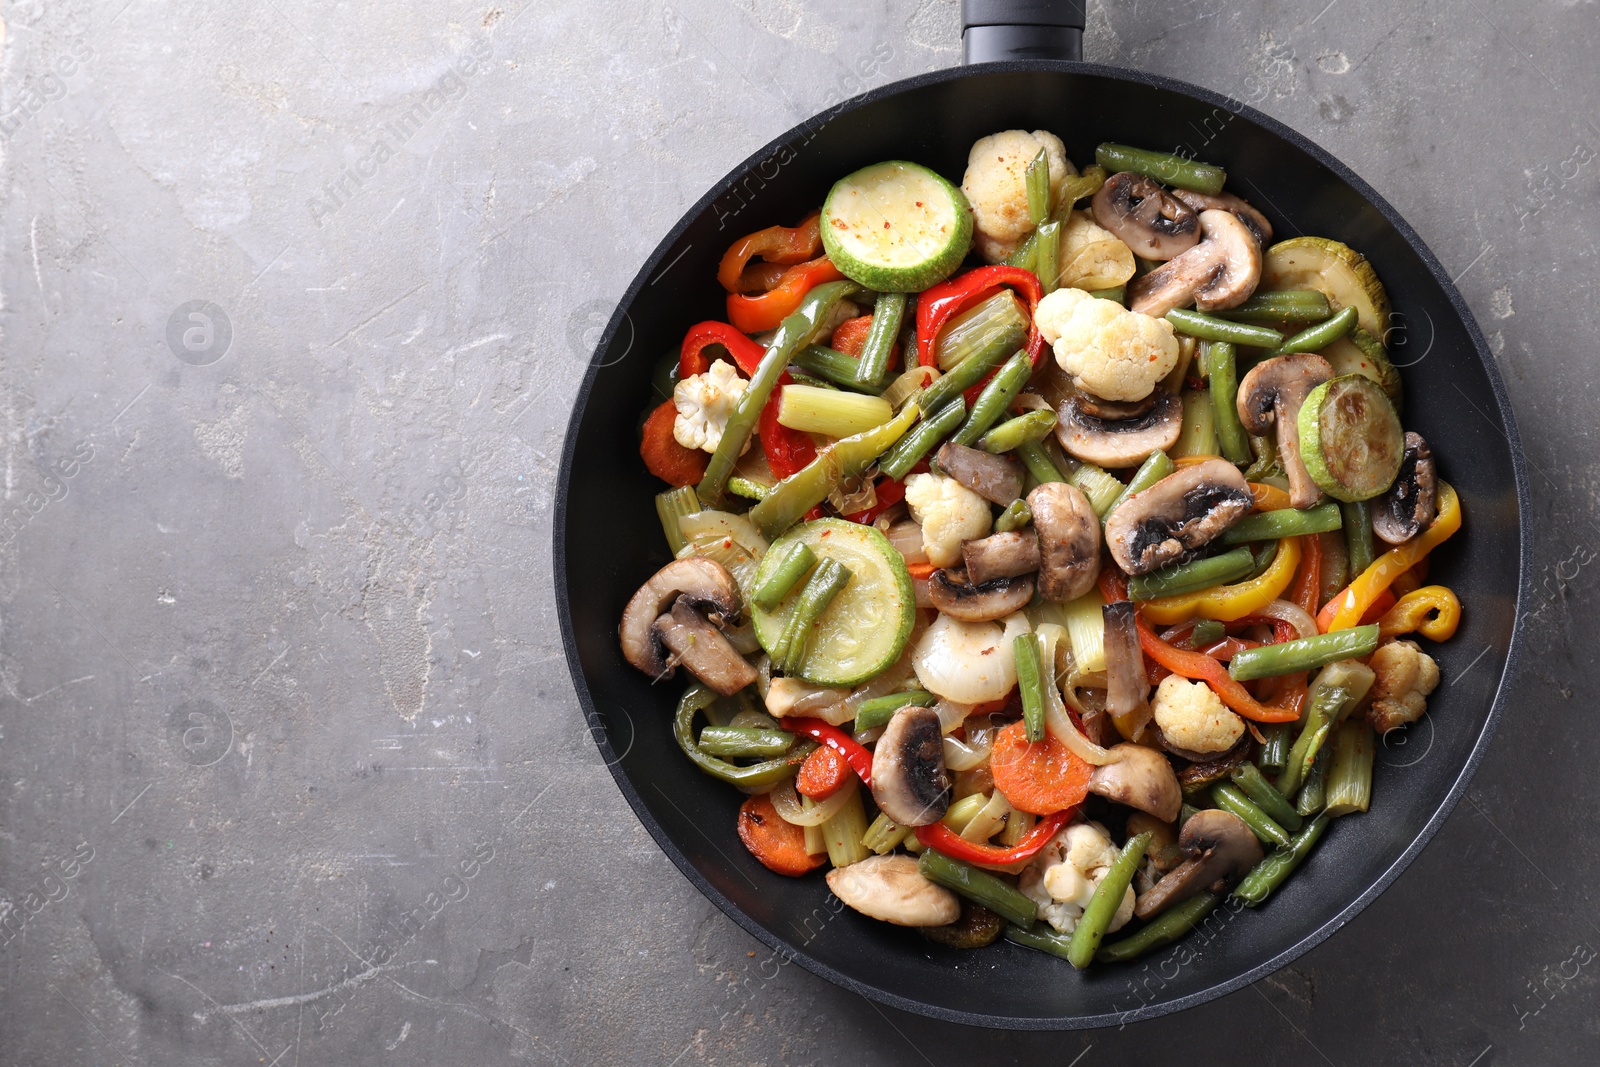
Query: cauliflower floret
pixel 1067 871
pixel 704 402
pixel 1192 717
pixel 949 512
pixel 996 186
pixel 1406 675
pixel 1112 352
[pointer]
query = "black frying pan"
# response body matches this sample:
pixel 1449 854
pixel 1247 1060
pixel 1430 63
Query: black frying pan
pixel 608 540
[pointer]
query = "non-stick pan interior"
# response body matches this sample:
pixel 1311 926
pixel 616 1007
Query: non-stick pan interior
pixel 608 541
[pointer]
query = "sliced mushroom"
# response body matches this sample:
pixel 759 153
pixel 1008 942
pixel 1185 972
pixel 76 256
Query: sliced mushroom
pixel 1253 220
pixel 1207 769
pixel 1127 684
pixel 705 585
pixel 956 596
pixel 1119 442
pixel 1177 516
pixel 1163 850
pixel 1271 395
pixel 1114 410
pixel 1001 555
pixel 1409 505
pixel 909 781
pixel 1219 848
pixel 1219 272
pixel 701 647
pixel 1069 541
pixel 892 888
pixel 1145 216
pixel 1140 778
pixel 995 478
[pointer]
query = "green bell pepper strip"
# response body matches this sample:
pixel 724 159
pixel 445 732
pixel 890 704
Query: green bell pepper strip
pixel 846 458
pixel 758 775
pixel 1016 515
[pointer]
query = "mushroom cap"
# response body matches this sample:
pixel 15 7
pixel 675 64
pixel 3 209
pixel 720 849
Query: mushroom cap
pixel 1220 849
pixel 1163 850
pixel 1219 272
pixel 958 597
pixel 1120 442
pixel 892 888
pixel 995 478
pixel 1140 778
pixel 1069 541
pixel 1177 516
pixel 701 647
pixel 909 781
pixel 1253 220
pixel 1408 506
pixel 1001 555
pixel 1145 216
pixel 705 584
pixel 1272 394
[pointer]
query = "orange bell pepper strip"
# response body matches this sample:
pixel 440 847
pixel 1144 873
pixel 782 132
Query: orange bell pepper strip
pixel 1226 603
pixel 1202 668
pixel 1268 497
pixel 764 311
pixel 1348 606
pixel 784 245
pixel 1434 611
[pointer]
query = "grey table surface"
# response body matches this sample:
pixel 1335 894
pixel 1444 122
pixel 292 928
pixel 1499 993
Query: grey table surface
pixel 296 298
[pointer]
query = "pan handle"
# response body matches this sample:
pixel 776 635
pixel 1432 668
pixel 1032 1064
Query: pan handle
pixel 993 30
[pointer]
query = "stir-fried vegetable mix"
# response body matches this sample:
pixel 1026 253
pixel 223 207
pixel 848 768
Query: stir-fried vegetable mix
pixel 1054 597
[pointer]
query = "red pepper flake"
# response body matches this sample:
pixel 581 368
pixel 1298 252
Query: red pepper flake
pixel 886 224
pixel 919 203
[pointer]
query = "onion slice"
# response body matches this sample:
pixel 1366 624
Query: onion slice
pixel 791 809
pixel 1056 719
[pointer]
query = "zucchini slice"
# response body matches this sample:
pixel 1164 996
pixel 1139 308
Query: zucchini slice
pixel 1358 352
pixel 896 227
pixel 866 627
pixel 1336 270
pixel 1350 438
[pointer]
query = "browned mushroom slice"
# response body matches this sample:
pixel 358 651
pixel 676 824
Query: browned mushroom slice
pixel 1069 541
pixel 1140 778
pixel 1001 555
pixel 1253 220
pixel 701 647
pixel 1408 506
pixel 1219 849
pixel 909 781
pixel 954 595
pixel 1177 516
pixel 705 584
pixel 1271 396
pixel 1145 216
pixel 1163 850
pixel 995 478
pixel 1127 684
pixel 1119 442
pixel 893 889
pixel 1219 272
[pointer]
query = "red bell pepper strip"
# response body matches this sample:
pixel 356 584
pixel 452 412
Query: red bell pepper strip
pixel 1306 588
pixel 890 492
pixel 850 336
pixel 786 450
pixel 1282 629
pixel 941 838
pixel 775 244
pixel 1200 667
pixel 859 758
pixel 764 311
pixel 938 305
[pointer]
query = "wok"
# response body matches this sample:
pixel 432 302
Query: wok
pixel 1024 72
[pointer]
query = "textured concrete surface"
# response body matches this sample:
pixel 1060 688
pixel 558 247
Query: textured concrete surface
pixel 295 299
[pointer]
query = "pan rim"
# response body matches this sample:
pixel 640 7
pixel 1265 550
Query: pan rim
pixel 1337 919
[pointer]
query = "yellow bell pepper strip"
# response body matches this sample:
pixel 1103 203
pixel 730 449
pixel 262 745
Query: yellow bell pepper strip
pixel 1225 603
pixel 1434 611
pixel 1347 606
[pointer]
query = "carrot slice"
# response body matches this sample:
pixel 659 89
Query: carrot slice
pixel 664 456
pixel 822 774
pixel 1039 777
pixel 920 570
pixel 780 846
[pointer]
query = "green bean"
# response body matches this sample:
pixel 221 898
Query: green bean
pixel 1036 180
pixel 1108 897
pixel 1316 338
pixel 1044 938
pixel 1358 536
pixel 825 583
pixel 746 488
pixel 836 368
pixel 995 397
pixel 1155 467
pixel 1284 522
pixel 1189 577
pixel 1047 257
pixel 899 460
pixel 1206 633
pixel 1016 515
pixel 1115 294
pixel 1270 873
pixel 1229 799
pixel 1026 254
pixel 1262 793
pixel 1162 166
pixel 795 560
pixel 1032 426
pixel 1039 464
pixel 1303 654
pixel 744 741
pixel 1209 328
pixel 756 776
pixel 974 883
pixel 879 710
pixel 1222 371
pixel 1274 754
pixel 1337 689
pixel 1335 565
pixel 1025 652
pixel 835 464
pixel 794 333
pixel 886 316
pixel 1296 305
pixel 1163 930
pixel 1314 793
pixel 671 506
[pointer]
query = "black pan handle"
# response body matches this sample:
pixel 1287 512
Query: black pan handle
pixel 993 30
